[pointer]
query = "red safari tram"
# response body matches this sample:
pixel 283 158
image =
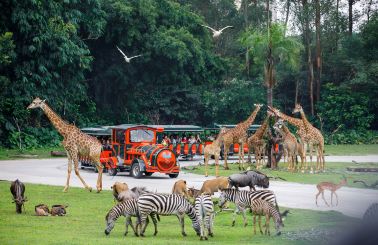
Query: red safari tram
pixel 135 150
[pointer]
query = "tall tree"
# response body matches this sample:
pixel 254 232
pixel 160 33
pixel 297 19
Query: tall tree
pixel 271 51
pixel 318 62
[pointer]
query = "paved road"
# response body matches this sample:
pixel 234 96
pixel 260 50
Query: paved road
pixel 352 201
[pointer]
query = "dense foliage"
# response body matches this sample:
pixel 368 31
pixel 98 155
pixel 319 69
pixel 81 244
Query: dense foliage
pixel 65 52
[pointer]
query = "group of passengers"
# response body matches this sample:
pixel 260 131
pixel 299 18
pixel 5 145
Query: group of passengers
pixel 176 139
pixel 106 144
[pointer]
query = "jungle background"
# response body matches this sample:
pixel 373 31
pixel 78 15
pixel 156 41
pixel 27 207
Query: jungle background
pixel 64 51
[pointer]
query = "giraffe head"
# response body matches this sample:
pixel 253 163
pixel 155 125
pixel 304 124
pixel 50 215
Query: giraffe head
pixel 278 125
pixel 258 105
pixel 298 108
pixel 37 103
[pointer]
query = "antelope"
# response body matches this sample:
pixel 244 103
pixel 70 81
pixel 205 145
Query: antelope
pixel 322 186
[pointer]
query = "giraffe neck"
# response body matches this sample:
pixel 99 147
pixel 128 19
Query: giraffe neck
pixel 250 119
pixel 262 129
pixel 305 121
pixel 292 120
pixel 218 140
pixel 57 121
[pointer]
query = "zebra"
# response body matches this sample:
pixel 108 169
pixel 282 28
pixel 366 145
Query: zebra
pixel 128 208
pixel 243 200
pixel 262 207
pixel 205 213
pixel 167 204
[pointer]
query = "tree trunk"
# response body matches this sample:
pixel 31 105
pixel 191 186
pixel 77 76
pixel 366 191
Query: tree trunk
pixel 337 24
pixel 369 10
pixel 318 51
pixel 310 73
pixel 350 23
pixel 296 91
pixel 246 25
pixel 287 15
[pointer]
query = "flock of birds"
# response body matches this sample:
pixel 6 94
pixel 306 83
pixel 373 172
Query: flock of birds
pixel 216 34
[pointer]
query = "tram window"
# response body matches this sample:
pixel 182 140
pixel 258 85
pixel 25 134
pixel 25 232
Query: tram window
pixel 141 135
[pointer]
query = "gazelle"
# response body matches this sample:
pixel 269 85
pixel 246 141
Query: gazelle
pixel 322 186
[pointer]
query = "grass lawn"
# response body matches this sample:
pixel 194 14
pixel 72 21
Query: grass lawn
pixel 334 172
pixel 8 154
pixel 85 224
pixel 351 150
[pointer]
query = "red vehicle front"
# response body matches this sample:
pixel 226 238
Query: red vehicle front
pixel 135 150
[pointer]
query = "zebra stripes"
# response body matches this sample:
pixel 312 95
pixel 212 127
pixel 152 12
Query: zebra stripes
pixel 262 207
pixel 128 208
pixel 243 200
pixel 205 213
pixel 167 204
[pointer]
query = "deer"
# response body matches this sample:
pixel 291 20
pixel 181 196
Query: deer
pixel 322 186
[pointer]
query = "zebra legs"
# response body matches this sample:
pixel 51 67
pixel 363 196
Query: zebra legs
pixel 129 222
pixel 181 219
pixel 267 220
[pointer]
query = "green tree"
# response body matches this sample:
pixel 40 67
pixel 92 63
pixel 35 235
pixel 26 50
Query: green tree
pixel 271 50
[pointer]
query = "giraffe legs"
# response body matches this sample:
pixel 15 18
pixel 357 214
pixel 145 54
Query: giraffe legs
pixel 225 152
pixel 76 166
pixel 69 169
pixel 206 163
pixel 216 165
pixel 241 156
pixel 100 169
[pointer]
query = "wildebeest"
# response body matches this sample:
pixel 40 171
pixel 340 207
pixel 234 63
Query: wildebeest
pixel 18 189
pixel 59 210
pixel 42 210
pixel 214 185
pixel 132 193
pixel 180 188
pixel 119 187
pixel 249 178
pixel 193 192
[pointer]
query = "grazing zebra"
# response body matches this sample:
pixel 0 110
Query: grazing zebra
pixel 167 204
pixel 243 199
pixel 205 213
pixel 128 209
pixel 262 207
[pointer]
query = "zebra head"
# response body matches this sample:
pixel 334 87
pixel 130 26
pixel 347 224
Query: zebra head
pixel 279 224
pixel 226 195
pixel 110 222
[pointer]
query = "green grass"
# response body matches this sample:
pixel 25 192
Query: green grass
pixel 334 172
pixel 351 150
pixel 9 154
pixel 85 224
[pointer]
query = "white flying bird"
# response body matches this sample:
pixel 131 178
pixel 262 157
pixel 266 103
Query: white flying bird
pixel 215 32
pixel 127 58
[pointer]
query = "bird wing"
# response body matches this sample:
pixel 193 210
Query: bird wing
pixel 225 28
pixel 121 52
pixel 209 28
pixel 135 56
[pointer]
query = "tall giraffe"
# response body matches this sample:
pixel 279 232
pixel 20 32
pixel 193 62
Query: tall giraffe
pixel 75 143
pixel 239 135
pixel 315 137
pixel 214 149
pixel 301 131
pixel 257 143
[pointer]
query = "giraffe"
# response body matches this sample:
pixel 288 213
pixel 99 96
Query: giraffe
pixel 75 143
pixel 301 131
pixel 239 135
pixel 291 146
pixel 257 143
pixel 315 137
pixel 214 149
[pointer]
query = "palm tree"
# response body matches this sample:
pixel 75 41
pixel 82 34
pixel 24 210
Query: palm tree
pixel 270 49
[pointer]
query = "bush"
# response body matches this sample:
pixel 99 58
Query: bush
pixel 32 138
pixel 352 137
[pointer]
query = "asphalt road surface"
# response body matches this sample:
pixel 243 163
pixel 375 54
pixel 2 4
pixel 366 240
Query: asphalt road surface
pixel 352 201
